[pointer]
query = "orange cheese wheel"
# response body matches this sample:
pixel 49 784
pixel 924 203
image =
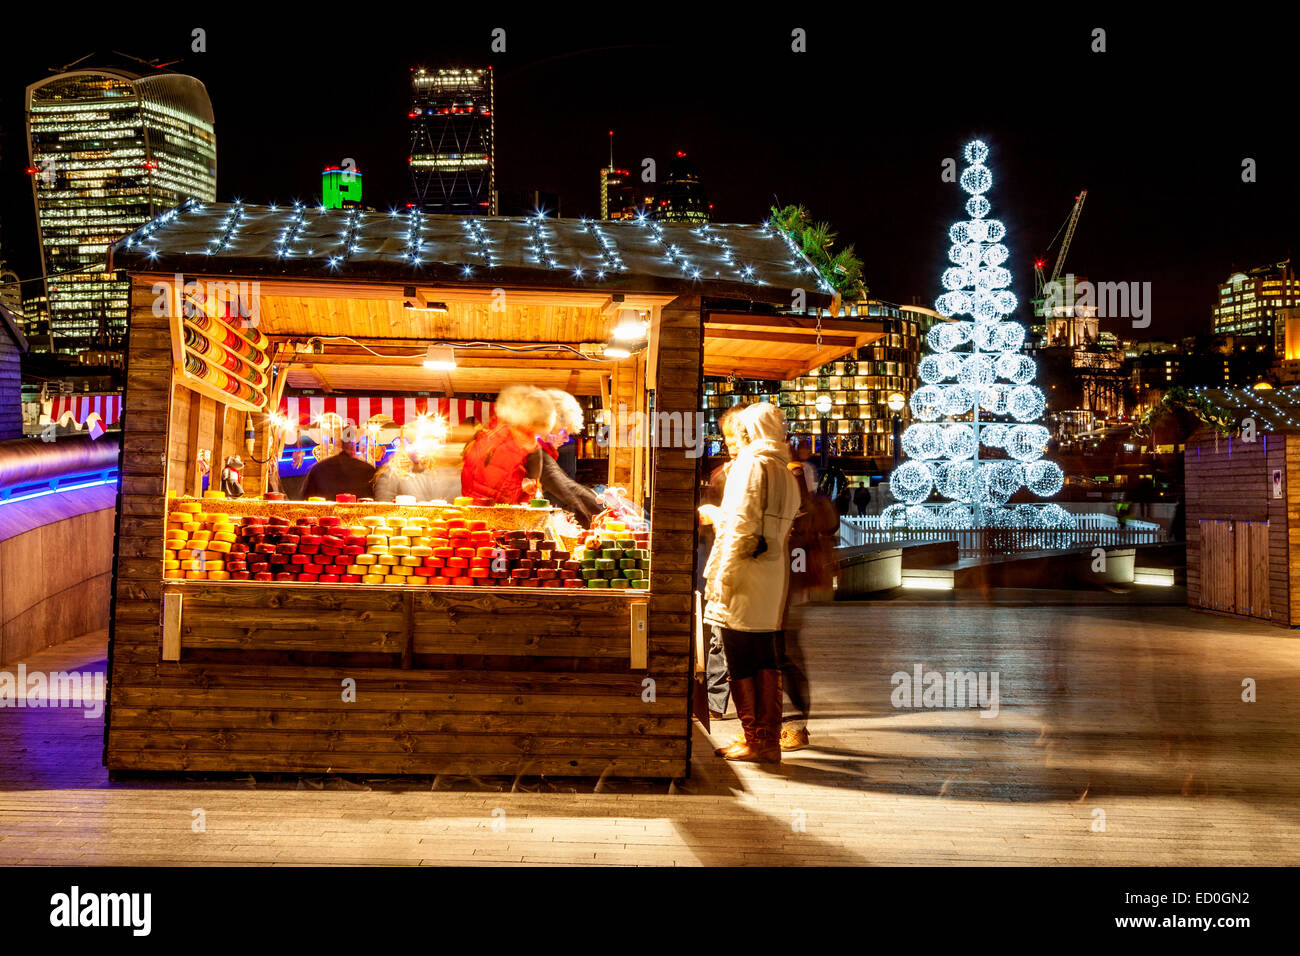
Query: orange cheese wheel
pixel 372 579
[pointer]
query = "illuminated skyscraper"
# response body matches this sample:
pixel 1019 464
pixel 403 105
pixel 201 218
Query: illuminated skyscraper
pixel 619 197
pixel 109 150
pixel 681 195
pixel 453 129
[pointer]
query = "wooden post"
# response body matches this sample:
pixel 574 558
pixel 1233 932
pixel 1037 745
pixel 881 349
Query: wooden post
pixel 638 635
pixel 171 626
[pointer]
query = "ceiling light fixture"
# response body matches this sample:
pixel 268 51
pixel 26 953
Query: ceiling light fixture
pixel 440 358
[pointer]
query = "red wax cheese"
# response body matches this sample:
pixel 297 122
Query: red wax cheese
pixel 329 579
pixel 262 576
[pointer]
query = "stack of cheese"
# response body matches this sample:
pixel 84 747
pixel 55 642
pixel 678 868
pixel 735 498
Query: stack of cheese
pixel 203 545
pixel 613 556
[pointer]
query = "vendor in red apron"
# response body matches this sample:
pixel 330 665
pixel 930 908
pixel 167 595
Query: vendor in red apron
pixel 503 463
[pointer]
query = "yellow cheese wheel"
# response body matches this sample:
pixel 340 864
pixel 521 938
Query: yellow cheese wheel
pixel 395 521
pixel 377 539
pixel 372 579
pixel 225 537
pixel 214 565
pixel 173 573
pixel 221 547
pixel 412 562
pixel 171 565
pixel 358 529
pixel 191 526
pixel 400 570
pixel 218 575
pixel 198 536
pixel 365 559
pixel 394 579
pixel 356 569
pixel 386 559
pixel 189 507
pixel 196 575
pixel 184 554
pixel 315 498
pixel 461 500
pixel 373 521
pixel 169 554
pixel 399 539
pixel 398 550
pixel 421 550
pixel 377 550
pixel 214 494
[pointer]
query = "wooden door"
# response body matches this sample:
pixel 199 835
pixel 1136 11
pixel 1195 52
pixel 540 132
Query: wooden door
pixel 1234 567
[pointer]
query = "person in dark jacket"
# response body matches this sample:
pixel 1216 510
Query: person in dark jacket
pixel 862 498
pixel 341 474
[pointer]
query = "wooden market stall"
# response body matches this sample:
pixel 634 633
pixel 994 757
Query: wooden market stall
pixel 235 308
pixel 1243 499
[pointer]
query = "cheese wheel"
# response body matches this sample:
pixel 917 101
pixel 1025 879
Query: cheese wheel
pixel 376 539
pixel 189 507
pixel 402 570
pixel 364 559
pixel 196 575
pixel 394 579
pixel 350 578
pixel 356 569
pixel 386 559
pixel 221 547
pixel 218 575
pixel 174 573
pixel 421 542
pixel 373 521
pixel 421 551
pixel 372 579
pixel 398 550
pixel 412 562
pixel 171 565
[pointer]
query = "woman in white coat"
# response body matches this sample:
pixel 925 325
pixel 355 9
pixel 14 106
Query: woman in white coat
pixel 748 574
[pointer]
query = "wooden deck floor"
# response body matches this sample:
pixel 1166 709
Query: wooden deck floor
pixel 1132 711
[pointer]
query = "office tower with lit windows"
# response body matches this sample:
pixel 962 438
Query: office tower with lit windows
pixel 681 195
pixel 1249 304
pixel 453 130
pixel 619 196
pixel 109 149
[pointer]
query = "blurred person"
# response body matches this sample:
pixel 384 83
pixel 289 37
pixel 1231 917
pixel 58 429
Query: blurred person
pixel 747 576
pixel 812 541
pixel 862 498
pixel 715 664
pixel 503 462
pixel 341 474
pixel 558 484
pixel 446 461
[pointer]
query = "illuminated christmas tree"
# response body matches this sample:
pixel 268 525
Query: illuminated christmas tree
pixel 975 440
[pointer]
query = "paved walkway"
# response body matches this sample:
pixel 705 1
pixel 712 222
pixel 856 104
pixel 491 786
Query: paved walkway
pixel 1121 738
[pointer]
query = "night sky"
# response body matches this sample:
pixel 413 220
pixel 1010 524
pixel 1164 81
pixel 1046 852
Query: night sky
pixel 856 129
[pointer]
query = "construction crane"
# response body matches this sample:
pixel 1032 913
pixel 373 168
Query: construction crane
pixel 1068 226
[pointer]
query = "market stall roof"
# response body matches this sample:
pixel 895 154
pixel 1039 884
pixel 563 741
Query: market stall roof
pixel 1273 409
pixel 408 248
pixel 780 346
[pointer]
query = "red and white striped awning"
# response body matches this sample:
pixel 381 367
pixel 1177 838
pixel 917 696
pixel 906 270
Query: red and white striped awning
pixel 306 411
pixel 79 408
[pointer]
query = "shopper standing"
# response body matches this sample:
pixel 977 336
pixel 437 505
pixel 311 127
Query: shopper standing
pixel 715 664
pixel 747 576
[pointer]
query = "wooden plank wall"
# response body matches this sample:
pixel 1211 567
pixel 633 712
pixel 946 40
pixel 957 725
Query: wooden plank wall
pixel 446 682
pixel 673 491
pixel 1228 480
pixel 11 408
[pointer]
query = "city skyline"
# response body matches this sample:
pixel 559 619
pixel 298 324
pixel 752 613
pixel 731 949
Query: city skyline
pixel 1160 197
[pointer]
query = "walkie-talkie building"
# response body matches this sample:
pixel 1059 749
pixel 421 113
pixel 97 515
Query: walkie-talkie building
pixel 453 127
pixel 109 149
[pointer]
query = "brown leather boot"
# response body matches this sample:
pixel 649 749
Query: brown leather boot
pixel 764 744
pixel 743 695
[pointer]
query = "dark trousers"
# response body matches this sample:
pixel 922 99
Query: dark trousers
pixel 748 652
pixel 793 678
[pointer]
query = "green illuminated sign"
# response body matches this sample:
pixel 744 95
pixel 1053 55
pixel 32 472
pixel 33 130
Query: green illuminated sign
pixel 339 186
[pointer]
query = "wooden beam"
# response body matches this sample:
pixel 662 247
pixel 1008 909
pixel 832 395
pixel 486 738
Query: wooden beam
pixel 797 337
